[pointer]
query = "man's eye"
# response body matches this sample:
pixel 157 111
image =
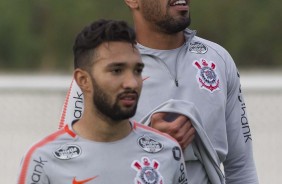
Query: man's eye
pixel 116 71
pixel 139 70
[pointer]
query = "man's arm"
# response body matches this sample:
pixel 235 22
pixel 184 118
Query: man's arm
pixel 239 165
pixel 32 170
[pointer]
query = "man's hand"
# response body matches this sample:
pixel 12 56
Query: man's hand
pixel 180 128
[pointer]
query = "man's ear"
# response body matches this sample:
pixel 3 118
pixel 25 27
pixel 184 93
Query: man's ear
pixel 133 4
pixel 83 80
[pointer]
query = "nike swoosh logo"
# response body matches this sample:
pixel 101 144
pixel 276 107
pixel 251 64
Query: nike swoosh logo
pixel 145 78
pixel 74 181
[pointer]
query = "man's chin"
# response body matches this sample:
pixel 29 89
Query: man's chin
pixel 124 114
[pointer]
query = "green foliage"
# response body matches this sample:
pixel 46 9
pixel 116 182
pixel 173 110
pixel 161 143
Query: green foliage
pixel 249 30
pixel 38 34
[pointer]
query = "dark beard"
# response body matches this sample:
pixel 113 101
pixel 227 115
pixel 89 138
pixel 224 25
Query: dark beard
pixel 170 26
pixel 103 104
pixel 166 24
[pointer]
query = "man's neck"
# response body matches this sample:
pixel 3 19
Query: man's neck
pixel 101 129
pixel 152 38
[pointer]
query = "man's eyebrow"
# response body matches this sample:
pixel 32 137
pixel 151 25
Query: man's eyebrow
pixel 120 64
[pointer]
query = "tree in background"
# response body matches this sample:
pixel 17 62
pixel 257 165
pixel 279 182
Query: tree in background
pixel 248 29
pixel 38 34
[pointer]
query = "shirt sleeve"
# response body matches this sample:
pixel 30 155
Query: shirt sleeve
pixel 180 176
pixel 239 165
pixel 32 170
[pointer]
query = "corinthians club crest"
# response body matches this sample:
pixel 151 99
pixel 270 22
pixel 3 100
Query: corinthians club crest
pixel 207 77
pixel 147 171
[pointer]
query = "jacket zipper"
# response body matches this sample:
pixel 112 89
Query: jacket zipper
pixel 176 64
pixel 184 46
pixel 176 82
pixel 174 77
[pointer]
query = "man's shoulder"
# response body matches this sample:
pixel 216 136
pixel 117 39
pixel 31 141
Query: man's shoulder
pixel 192 38
pixel 210 44
pixel 52 140
pixel 211 47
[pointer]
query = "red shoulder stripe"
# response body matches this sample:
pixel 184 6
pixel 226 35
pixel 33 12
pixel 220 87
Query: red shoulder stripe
pixel 69 131
pixel 65 107
pixel 26 161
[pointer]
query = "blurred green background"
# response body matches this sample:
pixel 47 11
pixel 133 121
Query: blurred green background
pixel 37 35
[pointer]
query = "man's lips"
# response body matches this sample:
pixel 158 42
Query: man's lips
pixel 180 5
pixel 128 99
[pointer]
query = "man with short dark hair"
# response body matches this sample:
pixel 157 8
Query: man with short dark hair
pixel 182 68
pixel 104 146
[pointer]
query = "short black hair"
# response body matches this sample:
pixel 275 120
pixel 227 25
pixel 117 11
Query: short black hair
pixel 95 34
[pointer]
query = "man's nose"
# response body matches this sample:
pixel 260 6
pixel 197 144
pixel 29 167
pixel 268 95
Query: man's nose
pixel 131 81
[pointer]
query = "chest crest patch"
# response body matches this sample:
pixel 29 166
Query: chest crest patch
pixel 207 76
pixel 147 171
pixel 67 152
pixel 198 48
pixel 149 145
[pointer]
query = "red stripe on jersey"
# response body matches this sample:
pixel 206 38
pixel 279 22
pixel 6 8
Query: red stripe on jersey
pixel 153 130
pixel 69 131
pixel 63 116
pixel 26 161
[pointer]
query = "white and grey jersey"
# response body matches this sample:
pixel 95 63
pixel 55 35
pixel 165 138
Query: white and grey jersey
pixel 204 74
pixel 145 156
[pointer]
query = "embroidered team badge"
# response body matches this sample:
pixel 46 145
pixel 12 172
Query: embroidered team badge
pixel 198 48
pixel 147 171
pixel 67 152
pixel 207 77
pixel 149 145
